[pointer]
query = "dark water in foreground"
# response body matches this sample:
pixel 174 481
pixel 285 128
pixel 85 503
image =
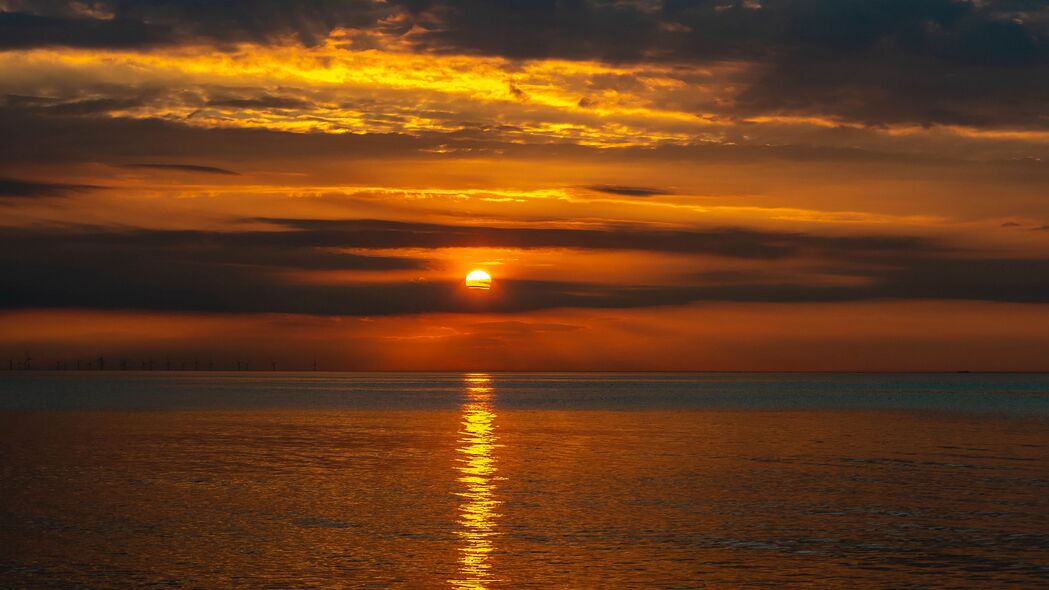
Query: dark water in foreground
pixel 203 480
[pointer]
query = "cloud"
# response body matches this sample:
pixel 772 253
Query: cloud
pixel 12 187
pixel 247 271
pixel 260 249
pixel 23 30
pixel 727 242
pixel 144 23
pixel 74 106
pixel 627 191
pixel 50 139
pixel 264 101
pixel 185 168
pixel 1027 227
pixel 613 31
pixel 876 61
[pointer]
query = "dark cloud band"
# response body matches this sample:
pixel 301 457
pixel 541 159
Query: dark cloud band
pixel 627 191
pixel 248 272
pixel 27 189
pixel 192 168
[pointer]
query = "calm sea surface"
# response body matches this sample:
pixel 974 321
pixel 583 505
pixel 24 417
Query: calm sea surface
pixel 252 480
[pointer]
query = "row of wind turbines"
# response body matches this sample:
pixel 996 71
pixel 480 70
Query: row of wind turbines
pixel 148 364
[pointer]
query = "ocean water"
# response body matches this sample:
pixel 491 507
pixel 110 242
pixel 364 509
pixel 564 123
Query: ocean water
pixel 273 480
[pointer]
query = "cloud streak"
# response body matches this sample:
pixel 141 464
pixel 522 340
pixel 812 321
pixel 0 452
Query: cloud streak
pixel 627 191
pixel 193 168
pixel 727 242
pixel 27 189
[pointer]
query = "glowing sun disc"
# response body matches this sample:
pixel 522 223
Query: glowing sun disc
pixel 478 279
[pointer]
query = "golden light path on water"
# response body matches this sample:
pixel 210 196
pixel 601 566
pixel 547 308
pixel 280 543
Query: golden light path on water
pixel 477 474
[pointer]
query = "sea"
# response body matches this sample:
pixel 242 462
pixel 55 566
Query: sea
pixel 523 480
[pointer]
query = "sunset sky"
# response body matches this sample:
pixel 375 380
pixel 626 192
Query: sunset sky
pixel 676 185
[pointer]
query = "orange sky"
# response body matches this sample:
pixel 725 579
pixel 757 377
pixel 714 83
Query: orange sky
pixel 651 185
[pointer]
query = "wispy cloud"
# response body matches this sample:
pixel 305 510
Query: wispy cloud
pixel 28 189
pixel 627 191
pixel 185 168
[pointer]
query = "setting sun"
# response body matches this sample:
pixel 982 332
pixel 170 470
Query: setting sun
pixel 479 279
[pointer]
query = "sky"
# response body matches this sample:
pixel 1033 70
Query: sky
pixel 777 185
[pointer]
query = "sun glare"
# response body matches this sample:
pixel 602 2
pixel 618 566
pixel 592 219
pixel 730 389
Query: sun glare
pixel 479 279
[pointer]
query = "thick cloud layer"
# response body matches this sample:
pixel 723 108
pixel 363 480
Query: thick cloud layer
pixel 954 62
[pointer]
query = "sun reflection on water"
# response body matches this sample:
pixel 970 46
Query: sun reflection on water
pixel 477 474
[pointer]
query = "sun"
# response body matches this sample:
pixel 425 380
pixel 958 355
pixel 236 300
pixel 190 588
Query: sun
pixel 478 279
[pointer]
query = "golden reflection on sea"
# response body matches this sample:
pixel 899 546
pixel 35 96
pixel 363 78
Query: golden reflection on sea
pixel 476 468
